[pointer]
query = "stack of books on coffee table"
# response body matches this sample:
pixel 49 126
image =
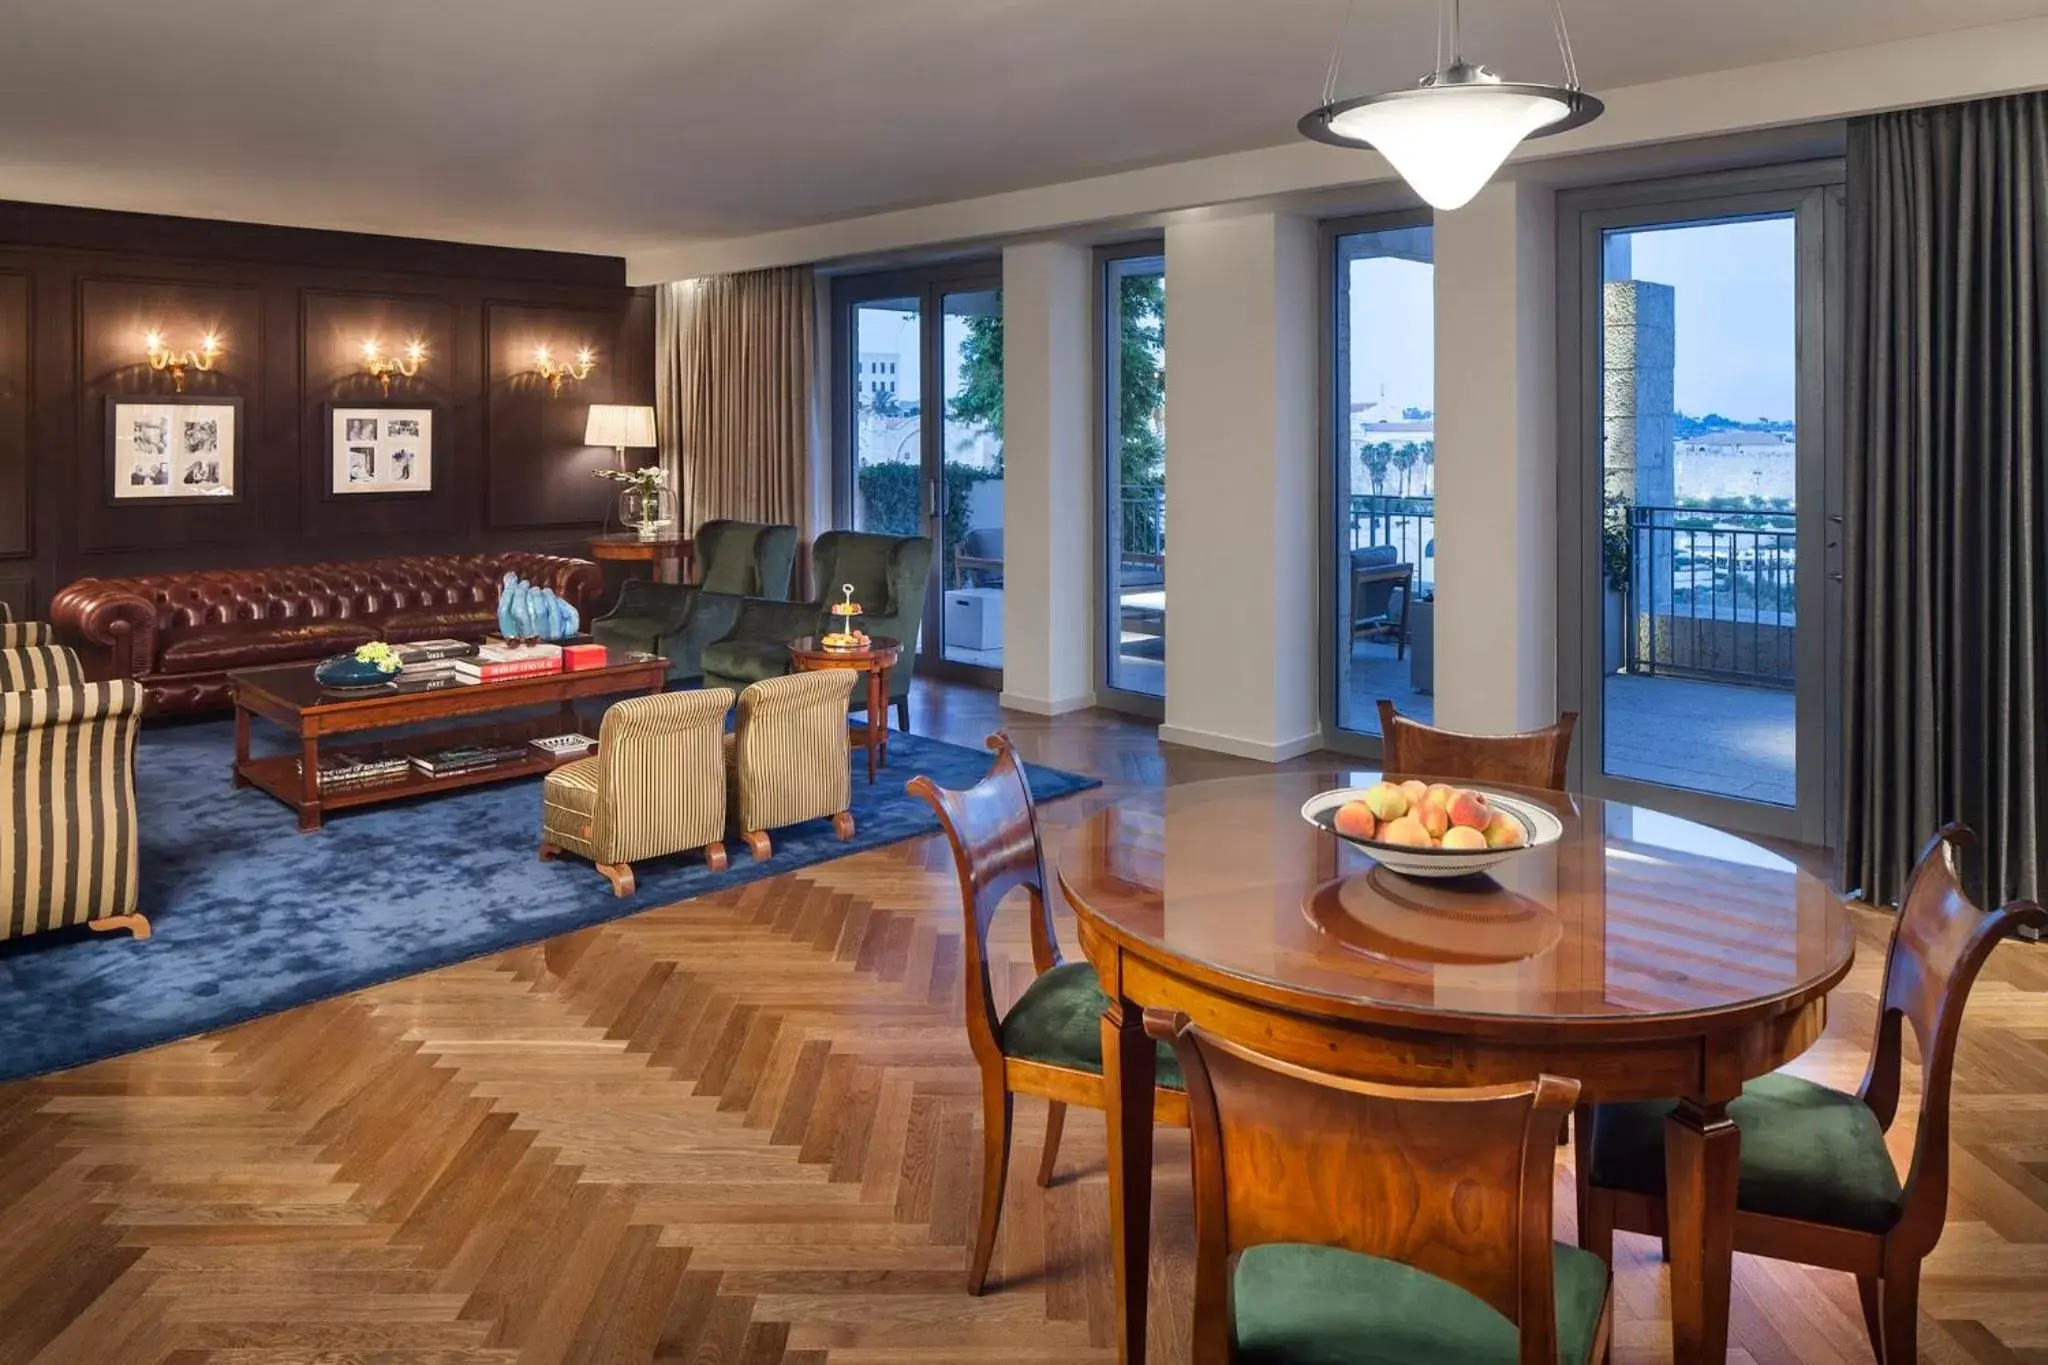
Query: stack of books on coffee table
pixel 432 660
pixel 495 663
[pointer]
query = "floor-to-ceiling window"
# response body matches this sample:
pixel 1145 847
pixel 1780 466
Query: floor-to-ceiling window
pixel 1133 386
pixel 909 468
pixel 1381 428
pixel 1700 456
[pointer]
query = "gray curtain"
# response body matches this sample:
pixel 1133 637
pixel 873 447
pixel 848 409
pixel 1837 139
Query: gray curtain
pixel 733 389
pixel 1945 625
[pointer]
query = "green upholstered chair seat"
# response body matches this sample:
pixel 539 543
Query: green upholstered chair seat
pixel 746 661
pixel 1058 1020
pixel 1310 1305
pixel 1808 1152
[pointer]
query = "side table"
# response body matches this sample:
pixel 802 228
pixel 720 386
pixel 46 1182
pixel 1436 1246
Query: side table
pixel 665 556
pixel 807 655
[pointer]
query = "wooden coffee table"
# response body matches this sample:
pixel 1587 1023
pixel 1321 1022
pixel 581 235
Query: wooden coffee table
pixel 808 656
pixel 289 696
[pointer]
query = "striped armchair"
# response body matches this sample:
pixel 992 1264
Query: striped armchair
pixel 17 634
pixel 30 668
pixel 656 786
pixel 68 841
pixel 787 756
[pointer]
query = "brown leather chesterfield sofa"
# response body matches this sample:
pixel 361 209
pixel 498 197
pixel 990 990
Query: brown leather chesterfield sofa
pixel 178 634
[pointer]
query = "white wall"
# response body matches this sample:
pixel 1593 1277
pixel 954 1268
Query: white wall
pixel 1496 461
pixel 1241 486
pixel 1048 478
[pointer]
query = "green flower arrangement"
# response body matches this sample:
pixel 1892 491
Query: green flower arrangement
pixel 382 655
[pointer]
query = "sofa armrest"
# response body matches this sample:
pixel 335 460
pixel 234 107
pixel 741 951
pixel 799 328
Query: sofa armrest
pixel 113 617
pixel 579 582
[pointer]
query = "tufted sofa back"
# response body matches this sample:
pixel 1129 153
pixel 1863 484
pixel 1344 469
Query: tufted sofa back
pixel 167 629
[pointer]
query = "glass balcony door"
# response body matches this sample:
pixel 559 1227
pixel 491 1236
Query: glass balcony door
pixel 1133 385
pixel 1701 534
pixel 918 405
pixel 1380 589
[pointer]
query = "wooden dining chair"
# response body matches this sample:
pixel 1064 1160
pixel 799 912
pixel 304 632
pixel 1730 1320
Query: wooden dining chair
pixel 1817 1184
pixel 1386 1223
pixel 1536 758
pixel 1049 1044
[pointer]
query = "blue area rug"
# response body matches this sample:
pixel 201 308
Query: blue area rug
pixel 252 917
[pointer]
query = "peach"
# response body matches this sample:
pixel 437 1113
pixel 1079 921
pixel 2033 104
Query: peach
pixel 1505 831
pixel 1434 817
pixel 1464 837
pixel 1355 820
pixel 1417 792
pixel 1443 792
pixel 1407 831
pixel 1386 801
pixel 1469 808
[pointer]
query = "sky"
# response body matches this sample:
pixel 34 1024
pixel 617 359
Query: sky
pixel 1736 316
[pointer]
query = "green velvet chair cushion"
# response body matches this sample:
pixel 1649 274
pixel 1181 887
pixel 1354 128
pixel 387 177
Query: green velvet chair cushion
pixel 1310 1305
pixel 739 661
pixel 1808 1153
pixel 1058 1020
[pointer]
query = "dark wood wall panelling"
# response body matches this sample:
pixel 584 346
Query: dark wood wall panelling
pixel 78 288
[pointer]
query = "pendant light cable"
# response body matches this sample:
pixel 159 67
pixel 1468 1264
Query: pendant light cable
pixel 1564 45
pixel 1337 55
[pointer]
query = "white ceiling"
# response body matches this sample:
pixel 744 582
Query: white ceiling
pixel 616 124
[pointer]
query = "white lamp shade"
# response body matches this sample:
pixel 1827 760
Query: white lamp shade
pixel 1447 142
pixel 620 424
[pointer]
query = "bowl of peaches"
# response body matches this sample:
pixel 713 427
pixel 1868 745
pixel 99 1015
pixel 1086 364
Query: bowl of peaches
pixel 1433 829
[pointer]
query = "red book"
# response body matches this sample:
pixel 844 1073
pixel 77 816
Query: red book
pixel 584 656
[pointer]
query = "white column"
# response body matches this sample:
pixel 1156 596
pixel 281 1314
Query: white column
pixel 1496 461
pixel 1241 486
pixel 1049 541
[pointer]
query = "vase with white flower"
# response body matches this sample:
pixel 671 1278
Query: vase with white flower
pixel 646 503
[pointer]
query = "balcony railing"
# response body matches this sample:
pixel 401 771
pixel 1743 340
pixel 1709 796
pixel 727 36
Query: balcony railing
pixel 1141 519
pixel 1408 524
pixel 1710 594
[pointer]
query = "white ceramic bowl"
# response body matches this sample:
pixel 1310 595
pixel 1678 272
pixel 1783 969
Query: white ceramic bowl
pixel 1541 826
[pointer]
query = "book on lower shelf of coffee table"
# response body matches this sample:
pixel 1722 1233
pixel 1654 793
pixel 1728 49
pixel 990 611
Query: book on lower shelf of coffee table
pixel 467 758
pixel 341 771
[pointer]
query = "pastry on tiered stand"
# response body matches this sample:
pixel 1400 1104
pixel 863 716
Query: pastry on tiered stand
pixel 844 636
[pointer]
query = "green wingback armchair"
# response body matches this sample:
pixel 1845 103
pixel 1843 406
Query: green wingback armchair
pixel 738 559
pixel 888 573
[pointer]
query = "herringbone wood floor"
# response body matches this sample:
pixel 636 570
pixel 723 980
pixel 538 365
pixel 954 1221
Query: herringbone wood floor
pixel 743 1129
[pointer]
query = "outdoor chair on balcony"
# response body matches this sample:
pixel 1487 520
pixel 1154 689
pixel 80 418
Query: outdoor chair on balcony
pixel 1382 593
pixel 978 561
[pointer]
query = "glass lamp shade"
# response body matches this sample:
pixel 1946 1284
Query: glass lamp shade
pixel 1447 141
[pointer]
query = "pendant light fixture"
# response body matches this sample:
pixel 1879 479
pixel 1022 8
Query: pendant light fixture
pixel 1447 136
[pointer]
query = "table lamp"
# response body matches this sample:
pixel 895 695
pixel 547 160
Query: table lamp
pixel 619 425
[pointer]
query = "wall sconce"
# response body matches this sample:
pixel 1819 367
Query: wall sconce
pixel 560 372
pixel 381 367
pixel 162 357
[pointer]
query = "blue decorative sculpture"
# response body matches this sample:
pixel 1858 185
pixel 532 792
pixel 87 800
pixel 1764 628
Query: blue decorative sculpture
pixel 528 613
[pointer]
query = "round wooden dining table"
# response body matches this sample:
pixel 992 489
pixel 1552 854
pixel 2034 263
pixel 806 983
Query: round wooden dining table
pixel 1643 955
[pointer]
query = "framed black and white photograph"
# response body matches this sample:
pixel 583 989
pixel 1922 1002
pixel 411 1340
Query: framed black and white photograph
pixel 173 449
pixel 381 449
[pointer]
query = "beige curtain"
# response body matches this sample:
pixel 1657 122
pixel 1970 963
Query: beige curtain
pixel 733 393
